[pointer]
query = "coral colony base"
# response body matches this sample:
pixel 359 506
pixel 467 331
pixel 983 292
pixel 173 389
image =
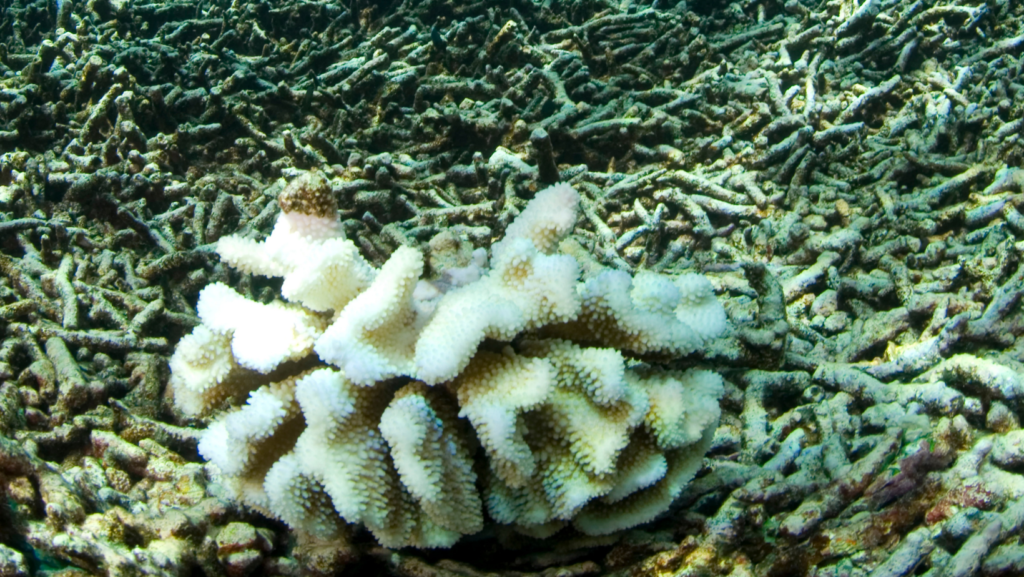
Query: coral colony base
pixel 424 410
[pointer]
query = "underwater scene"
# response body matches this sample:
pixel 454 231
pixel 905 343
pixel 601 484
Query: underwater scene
pixel 512 288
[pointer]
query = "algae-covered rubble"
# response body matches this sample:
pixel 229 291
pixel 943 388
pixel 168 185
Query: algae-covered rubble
pixel 845 173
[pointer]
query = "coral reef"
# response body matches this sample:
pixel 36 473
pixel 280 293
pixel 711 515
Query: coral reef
pixel 845 174
pixel 570 433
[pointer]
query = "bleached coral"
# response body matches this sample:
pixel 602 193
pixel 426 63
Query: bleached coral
pixel 432 455
pixel 525 290
pixel 494 392
pixel 698 308
pixel 635 315
pixel 246 443
pixel 321 269
pixel 262 336
pixel 203 370
pixel 626 438
pixel 240 346
pixel 374 339
pixel 556 415
pixel 546 220
pixel 681 425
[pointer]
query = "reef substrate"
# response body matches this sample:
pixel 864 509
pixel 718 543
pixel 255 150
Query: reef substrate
pixel 846 174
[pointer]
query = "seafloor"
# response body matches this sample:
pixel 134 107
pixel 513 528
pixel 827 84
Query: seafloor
pixel 845 173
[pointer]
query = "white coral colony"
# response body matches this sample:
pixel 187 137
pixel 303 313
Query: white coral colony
pixel 563 428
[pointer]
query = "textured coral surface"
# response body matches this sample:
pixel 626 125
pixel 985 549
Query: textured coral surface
pixel 437 411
